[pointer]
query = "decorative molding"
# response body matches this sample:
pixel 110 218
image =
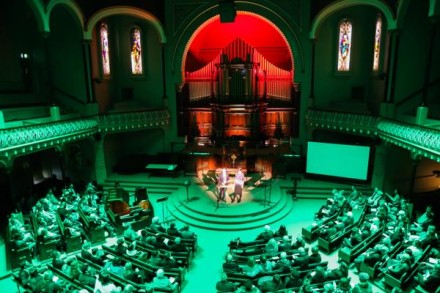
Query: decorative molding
pixel 131 121
pixel 421 141
pixel 365 125
pixel 25 140
pixel 181 11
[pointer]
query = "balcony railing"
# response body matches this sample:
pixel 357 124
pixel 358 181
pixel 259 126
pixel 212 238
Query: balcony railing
pixel 133 120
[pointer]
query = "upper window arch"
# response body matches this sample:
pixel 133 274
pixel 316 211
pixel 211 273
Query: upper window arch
pixel 105 48
pixel 377 43
pixel 136 50
pixel 344 45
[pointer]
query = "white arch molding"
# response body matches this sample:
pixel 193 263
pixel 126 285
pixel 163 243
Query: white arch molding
pixel 72 5
pixel 124 10
pixel 338 5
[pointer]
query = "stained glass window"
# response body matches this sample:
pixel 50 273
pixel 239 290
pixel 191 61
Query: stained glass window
pixel 344 45
pixel 377 38
pixel 105 50
pixel 136 51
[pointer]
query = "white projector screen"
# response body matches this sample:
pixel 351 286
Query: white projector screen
pixel 338 160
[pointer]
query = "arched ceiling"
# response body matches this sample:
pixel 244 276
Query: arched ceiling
pixel 254 30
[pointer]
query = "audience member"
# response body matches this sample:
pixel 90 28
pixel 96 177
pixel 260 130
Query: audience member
pixel 224 285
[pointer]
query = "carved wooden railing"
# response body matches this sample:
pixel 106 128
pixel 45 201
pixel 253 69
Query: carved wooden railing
pixel 419 140
pixel 129 121
pixel 345 122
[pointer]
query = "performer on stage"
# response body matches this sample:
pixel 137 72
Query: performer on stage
pixel 239 183
pixel 222 184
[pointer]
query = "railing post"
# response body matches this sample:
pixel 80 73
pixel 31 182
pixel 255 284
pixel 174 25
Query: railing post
pixel 390 77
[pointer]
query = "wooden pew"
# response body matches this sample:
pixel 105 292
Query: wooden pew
pixel 311 232
pixel 408 276
pixel 95 234
pixel 72 243
pixel 191 243
pixel 117 280
pixel 374 271
pixel 18 254
pixel 183 259
pixel 348 254
pixel 178 273
pixel 75 283
pixel 45 249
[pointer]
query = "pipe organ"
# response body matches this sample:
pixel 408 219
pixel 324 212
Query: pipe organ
pixel 240 94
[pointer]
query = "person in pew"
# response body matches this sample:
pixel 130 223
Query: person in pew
pixel 103 284
pixel 178 246
pixel 315 256
pixel 363 286
pixel 155 259
pixel 281 232
pixel 248 287
pixel 134 275
pixel 275 283
pixel 285 244
pixel 161 282
pixel 283 264
pixel 327 210
pixel 338 273
pixel 35 280
pixel 429 237
pixel 267 265
pixel 230 265
pixel 344 286
pixel 251 268
pixel 317 276
pixel 423 222
pixel 301 260
pixel 114 266
pixel 129 289
pixel 156 225
pixel 86 275
pixel 294 280
pixel 271 247
pixel 87 254
pixel 131 250
pixel 129 233
pixel 144 236
pixel 266 235
pixel 375 197
pixel 49 284
pixel 224 285
pixel 429 276
pixel 354 239
pixel 161 241
pixel 167 261
pixel 298 243
pixel 186 233
pixel 173 231
pixel 397 267
pixel 372 255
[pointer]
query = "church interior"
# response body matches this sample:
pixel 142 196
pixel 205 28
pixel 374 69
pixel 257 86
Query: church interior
pixel 211 146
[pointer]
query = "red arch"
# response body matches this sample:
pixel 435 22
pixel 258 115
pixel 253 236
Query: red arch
pixel 254 30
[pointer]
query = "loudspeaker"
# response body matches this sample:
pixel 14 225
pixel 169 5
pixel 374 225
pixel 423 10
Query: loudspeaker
pixel 227 11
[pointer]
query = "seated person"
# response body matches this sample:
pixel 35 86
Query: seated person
pixel 251 268
pixel 283 264
pixel 317 276
pixel 363 286
pixel 373 200
pixel 423 222
pixel 103 284
pixel 230 265
pixel 294 280
pixel 266 234
pixel 173 231
pixel 267 265
pixel 161 281
pixel 285 244
pixel 156 225
pixel 224 285
pixel 302 259
pixel 129 233
pixel 338 273
pixel 185 233
pixel 271 247
pixel 315 256
pixel 327 210
pixel 178 246
pixel 281 232
pixel 248 287
pixel 429 277
pixel 344 286
pixel 299 242
pixel 397 267
pixel 354 239
pixel 273 284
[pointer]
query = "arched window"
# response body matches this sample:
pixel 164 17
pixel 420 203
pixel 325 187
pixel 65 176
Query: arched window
pixel 344 45
pixel 105 50
pixel 377 39
pixel 136 51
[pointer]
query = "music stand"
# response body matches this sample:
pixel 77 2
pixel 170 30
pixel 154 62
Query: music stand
pixel 267 184
pixel 187 184
pixel 221 202
pixel 162 200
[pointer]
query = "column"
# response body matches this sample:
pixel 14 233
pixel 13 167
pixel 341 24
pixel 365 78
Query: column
pixel 390 77
pixel 88 71
pixel 100 167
